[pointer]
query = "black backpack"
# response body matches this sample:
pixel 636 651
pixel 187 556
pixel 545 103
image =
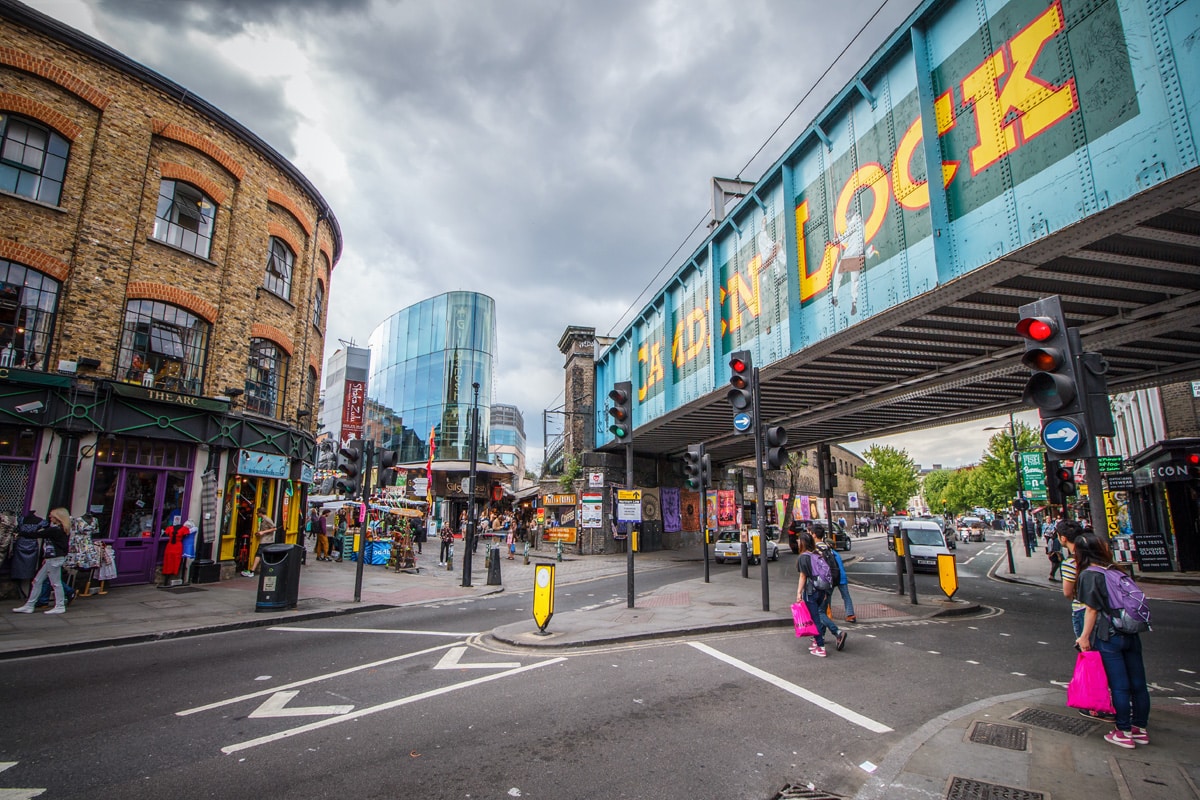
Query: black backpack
pixel 835 572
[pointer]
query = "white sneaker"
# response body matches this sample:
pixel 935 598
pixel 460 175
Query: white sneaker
pixel 56 610
pixel 23 610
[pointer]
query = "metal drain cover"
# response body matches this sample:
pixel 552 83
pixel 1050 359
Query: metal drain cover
pixel 970 789
pixel 1009 737
pixel 794 792
pixel 1076 726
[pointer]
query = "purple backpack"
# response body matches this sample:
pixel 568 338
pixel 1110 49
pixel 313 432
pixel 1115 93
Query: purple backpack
pixel 1127 602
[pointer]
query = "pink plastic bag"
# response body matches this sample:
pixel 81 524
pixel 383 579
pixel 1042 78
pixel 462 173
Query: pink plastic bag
pixel 804 621
pixel 1088 688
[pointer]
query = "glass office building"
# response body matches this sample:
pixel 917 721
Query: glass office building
pixel 424 359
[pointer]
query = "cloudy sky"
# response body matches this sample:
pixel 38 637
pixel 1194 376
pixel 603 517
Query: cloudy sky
pixel 552 154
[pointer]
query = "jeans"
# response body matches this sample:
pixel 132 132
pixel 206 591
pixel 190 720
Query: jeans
pixel 1122 657
pixel 816 601
pixel 444 553
pixel 44 597
pixel 1077 622
pixel 846 601
pixel 51 570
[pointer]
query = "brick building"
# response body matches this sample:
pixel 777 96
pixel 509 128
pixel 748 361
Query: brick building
pixel 164 280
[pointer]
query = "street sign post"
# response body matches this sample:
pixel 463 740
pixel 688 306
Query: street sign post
pixel 543 596
pixel 947 574
pixel 1061 435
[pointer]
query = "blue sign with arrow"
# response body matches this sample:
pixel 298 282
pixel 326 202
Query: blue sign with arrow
pixel 1061 435
pixel 741 421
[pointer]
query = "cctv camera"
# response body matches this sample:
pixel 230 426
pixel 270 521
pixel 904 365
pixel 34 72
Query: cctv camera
pixel 30 408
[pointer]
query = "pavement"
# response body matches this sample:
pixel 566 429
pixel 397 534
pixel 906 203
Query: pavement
pixel 955 755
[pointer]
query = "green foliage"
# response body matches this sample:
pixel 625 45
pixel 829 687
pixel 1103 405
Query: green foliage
pixel 889 476
pixel 572 472
pixel 997 483
pixel 933 488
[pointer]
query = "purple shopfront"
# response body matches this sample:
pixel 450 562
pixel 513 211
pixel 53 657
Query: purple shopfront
pixel 140 486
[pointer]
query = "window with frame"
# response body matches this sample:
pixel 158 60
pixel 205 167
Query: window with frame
pixel 280 262
pixel 163 347
pixel 266 376
pixel 33 159
pixel 319 304
pixel 28 309
pixel 184 217
pixel 310 391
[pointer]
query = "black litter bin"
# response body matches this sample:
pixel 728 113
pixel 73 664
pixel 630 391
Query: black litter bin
pixel 279 577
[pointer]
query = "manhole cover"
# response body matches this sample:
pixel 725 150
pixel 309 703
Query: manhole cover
pixel 1007 736
pixel 794 792
pixel 970 789
pixel 182 589
pixel 1076 726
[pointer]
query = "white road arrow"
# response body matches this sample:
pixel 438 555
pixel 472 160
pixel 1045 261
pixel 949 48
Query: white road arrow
pixel 1068 436
pixel 274 706
pixel 16 794
pixel 450 661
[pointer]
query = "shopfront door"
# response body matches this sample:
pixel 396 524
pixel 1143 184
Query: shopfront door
pixel 133 504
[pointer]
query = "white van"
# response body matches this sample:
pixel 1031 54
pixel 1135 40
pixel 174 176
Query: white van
pixel 927 541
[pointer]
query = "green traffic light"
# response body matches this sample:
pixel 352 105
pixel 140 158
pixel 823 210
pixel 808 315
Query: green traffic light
pixel 618 431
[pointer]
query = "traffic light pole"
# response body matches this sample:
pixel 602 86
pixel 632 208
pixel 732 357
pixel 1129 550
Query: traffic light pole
pixel 759 505
pixel 365 490
pixel 704 515
pixel 629 560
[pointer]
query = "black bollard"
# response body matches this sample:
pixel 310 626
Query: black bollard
pixel 493 578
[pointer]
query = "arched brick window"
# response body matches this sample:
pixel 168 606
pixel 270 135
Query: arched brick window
pixel 28 308
pixel 33 159
pixel 266 377
pixel 163 347
pixel 185 217
pixel 280 262
pixel 318 304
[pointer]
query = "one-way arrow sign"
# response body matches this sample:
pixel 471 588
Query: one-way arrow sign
pixel 274 706
pixel 450 661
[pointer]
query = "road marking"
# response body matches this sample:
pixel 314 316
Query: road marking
pixel 1020 674
pixel 1188 671
pixel 403 701
pixel 307 681
pixel 275 706
pixel 17 794
pixel 933 652
pixel 293 629
pixel 969 661
pixel 799 691
pixel 450 661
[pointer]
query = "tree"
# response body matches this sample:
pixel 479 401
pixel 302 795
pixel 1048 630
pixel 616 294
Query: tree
pixel 997 482
pixel 796 462
pixel 933 488
pixel 889 476
pixel 571 473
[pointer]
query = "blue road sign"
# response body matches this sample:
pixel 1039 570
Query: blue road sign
pixel 741 421
pixel 1060 435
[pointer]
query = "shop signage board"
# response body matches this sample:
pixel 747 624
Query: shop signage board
pixel 170 398
pixel 1110 463
pixel 558 500
pixel 592 511
pixel 1119 481
pixel 262 465
pixel 1033 473
pixel 1152 552
pixel 306 473
pixel 629 505
pixel 560 534
pixel 595 480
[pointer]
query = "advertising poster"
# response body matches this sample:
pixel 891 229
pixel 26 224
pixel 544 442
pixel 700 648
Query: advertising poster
pixel 726 508
pixel 591 513
pixel 352 410
pixel 689 511
pixel 672 522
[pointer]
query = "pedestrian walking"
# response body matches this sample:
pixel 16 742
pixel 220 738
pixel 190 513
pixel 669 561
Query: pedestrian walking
pixel 1120 652
pixel 834 562
pixel 1054 552
pixel 266 527
pixel 321 528
pixel 55 543
pixel 447 538
pixel 809 590
pixel 1068 531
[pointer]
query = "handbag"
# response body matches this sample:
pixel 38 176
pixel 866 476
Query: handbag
pixel 1088 688
pixel 803 620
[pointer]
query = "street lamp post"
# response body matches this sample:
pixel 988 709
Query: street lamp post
pixel 1012 433
pixel 472 511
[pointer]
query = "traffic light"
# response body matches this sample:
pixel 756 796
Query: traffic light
pixel 350 465
pixel 776 441
pixel 741 390
pixel 705 469
pixel 1055 388
pixel 693 467
pixel 387 464
pixel 1060 482
pixel 622 411
pixel 826 470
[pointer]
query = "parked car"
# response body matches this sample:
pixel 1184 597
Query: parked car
pixel 972 529
pixel 840 540
pixel 729 547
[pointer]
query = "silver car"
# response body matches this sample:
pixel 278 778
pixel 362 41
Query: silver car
pixel 729 547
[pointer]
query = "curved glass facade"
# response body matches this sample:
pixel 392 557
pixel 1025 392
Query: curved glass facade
pixel 424 359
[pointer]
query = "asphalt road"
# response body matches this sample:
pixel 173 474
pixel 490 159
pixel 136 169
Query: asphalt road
pixel 413 703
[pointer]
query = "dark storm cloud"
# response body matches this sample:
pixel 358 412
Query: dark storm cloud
pixel 221 17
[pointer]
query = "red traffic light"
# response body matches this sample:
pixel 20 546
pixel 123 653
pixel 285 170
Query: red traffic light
pixel 619 396
pixel 738 365
pixel 1038 329
pixel 1064 474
